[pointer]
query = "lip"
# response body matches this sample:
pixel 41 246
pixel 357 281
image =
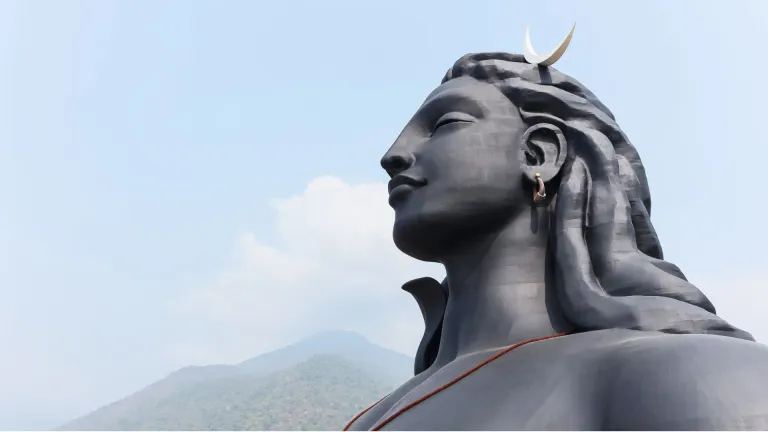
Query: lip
pixel 401 186
pixel 400 180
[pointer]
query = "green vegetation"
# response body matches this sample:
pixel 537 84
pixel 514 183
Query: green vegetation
pixel 321 392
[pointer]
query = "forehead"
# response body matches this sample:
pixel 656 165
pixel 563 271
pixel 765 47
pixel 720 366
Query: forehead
pixel 468 91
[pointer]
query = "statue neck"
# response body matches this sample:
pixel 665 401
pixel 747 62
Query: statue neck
pixel 498 295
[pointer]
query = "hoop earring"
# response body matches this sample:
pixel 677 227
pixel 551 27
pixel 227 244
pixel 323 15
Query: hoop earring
pixel 539 192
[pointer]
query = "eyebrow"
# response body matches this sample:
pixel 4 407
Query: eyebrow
pixel 461 101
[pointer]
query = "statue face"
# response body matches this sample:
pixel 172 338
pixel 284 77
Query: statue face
pixel 456 169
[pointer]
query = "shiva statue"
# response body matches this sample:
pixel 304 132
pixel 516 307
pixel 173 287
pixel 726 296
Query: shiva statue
pixel 558 311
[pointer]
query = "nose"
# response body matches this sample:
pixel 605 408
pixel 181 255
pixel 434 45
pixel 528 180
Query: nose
pixel 397 161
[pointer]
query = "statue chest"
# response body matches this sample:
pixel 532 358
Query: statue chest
pixel 475 404
pixel 545 387
pixel 600 380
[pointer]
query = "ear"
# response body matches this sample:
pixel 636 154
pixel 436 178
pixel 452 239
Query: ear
pixel 544 149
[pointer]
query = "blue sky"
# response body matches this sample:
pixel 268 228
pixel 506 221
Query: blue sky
pixel 160 161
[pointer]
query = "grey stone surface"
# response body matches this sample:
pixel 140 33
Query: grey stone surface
pixel 644 348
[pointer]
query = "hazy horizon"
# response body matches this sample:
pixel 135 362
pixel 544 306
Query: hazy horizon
pixel 172 171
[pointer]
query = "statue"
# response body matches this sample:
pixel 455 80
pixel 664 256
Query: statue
pixel 558 311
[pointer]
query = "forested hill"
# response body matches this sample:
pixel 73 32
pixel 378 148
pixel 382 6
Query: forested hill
pixel 316 384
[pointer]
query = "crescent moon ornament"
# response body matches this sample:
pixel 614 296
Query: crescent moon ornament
pixel 549 59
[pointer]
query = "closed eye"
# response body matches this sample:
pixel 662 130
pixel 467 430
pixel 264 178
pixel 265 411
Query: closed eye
pixel 451 118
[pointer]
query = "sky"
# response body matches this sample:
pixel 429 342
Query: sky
pixel 198 182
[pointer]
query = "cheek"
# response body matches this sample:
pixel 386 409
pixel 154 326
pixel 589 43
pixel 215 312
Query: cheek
pixel 475 187
pixel 490 168
pixel 469 167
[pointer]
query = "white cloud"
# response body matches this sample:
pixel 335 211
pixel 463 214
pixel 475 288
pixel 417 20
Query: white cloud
pixel 333 266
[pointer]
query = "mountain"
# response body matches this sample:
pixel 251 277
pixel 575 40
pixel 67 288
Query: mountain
pixel 374 359
pixel 316 384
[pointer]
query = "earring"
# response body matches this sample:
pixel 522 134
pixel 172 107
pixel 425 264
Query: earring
pixel 539 193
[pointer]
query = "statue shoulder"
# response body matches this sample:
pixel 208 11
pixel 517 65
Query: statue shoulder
pixel 692 382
